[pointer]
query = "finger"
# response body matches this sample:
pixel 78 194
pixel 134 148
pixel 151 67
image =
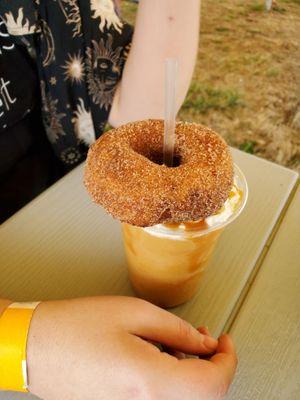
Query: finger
pixel 154 323
pixel 175 353
pixel 204 330
pixel 225 358
pixel 178 354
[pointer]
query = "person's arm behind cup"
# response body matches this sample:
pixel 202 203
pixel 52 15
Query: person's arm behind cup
pixel 164 28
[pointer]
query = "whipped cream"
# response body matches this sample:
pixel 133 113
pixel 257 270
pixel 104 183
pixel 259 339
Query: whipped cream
pixel 220 217
pixel 228 208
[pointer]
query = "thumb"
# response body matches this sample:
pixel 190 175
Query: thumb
pixel 225 358
pixel 166 328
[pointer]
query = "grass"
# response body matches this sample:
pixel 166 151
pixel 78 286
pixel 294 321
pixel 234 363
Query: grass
pixel 248 146
pixel 279 9
pixel 129 11
pixel 202 98
pixel 260 7
pixel 246 80
pixel 273 72
pixel 297 2
pixel 257 7
pixel 222 29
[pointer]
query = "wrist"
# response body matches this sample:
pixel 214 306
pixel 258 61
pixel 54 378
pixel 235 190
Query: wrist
pixel 14 327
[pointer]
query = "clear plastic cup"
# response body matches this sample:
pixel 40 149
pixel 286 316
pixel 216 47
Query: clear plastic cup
pixel 166 263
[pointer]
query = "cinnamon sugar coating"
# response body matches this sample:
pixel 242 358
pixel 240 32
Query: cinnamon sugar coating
pixel 123 176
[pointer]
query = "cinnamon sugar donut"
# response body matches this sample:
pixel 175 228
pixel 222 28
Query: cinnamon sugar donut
pixel 125 175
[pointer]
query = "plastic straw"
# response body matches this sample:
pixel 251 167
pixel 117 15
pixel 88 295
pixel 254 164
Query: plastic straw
pixel 171 69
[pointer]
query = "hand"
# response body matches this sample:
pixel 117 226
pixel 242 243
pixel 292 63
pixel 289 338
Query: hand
pixel 99 348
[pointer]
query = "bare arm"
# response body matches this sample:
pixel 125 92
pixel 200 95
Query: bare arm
pixel 164 28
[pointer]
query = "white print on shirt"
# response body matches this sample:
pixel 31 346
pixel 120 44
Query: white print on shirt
pixel 5 98
pixel 83 123
pixel 105 10
pixel 18 25
pixel 74 68
pixel 5 35
pixel 71 12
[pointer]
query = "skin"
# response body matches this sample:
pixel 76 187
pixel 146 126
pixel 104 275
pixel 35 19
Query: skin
pixel 164 28
pixel 104 348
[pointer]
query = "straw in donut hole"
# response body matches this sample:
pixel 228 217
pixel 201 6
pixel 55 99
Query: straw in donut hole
pixel 125 175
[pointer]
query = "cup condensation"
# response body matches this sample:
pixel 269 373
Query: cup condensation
pixel 165 263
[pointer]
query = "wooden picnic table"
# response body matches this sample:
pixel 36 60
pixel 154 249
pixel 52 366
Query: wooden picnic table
pixel 62 245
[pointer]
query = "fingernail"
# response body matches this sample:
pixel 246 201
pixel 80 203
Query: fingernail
pixel 210 343
pixel 206 331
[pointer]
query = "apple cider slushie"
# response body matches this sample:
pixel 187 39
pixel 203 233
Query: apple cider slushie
pixel 171 216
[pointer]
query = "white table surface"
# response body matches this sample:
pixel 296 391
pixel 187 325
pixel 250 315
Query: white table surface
pixel 267 328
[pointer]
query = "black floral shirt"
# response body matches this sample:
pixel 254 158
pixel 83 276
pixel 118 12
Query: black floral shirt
pixel 79 47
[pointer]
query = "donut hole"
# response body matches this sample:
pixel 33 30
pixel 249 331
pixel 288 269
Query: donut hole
pixel 149 144
pixel 158 158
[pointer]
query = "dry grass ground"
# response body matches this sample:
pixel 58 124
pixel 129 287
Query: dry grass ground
pixel 246 83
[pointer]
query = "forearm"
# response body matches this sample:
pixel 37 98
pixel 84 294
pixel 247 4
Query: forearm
pixel 164 28
pixel 3 305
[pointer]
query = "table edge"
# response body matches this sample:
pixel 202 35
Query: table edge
pixel 260 261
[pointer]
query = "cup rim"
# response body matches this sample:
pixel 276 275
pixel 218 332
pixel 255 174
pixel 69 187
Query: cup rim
pixel 161 230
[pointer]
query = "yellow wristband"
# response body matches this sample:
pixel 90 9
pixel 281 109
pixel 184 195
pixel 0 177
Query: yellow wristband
pixel 14 328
